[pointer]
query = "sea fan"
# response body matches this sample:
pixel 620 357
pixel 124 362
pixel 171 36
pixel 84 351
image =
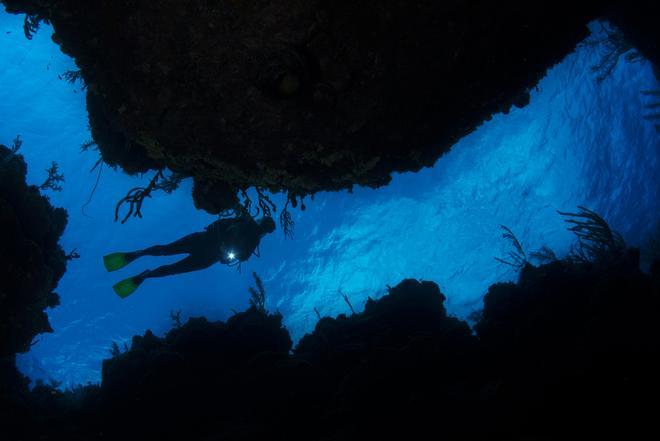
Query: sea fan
pixel 258 295
pixel 596 240
pixel 516 258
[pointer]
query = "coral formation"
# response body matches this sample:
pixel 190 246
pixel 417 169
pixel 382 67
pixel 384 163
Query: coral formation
pixel 595 239
pixel 638 20
pixel 615 46
pixel 572 341
pixel 304 96
pixel 31 264
pixel 571 348
pixel 258 294
pixel 517 258
pixel 300 96
pixel 136 196
pixel 31 261
pixel 53 179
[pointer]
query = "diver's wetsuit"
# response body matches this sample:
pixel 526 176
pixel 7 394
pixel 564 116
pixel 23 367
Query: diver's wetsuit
pixel 237 236
pixel 228 241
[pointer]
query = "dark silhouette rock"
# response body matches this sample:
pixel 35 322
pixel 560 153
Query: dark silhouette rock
pixel 31 264
pixel 31 260
pixel 569 343
pixel 300 96
pixel 569 350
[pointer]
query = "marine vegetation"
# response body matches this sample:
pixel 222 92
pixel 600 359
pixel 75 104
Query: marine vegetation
pixel 54 178
pixel 286 220
pixel 114 349
pixel 73 254
pixel 615 45
pixel 31 24
pixel 596 241
pixel 543 358
pixel 344 296
pixel 175 316
pixel 136 196
pixel 258 295
pixel 73 76
pixel 318 108
pixel 16 145
pixel 87 146
pixel 543 255
pixel 265 206
pixel 517 257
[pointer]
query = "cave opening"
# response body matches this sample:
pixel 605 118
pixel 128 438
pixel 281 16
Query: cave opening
pixel 580 141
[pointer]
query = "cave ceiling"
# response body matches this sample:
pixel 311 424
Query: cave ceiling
pixel 300 96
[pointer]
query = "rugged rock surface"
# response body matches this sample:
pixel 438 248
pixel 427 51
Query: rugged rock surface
pixel 31 260
pixel 639 22
pixel 571 350
pixel 300 96
pixel 31 264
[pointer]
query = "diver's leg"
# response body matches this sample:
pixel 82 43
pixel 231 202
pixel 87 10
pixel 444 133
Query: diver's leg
pixel 203 254
pixel 186 245
pixel 185 265
pixel 127 286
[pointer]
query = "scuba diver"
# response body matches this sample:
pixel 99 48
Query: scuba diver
pixel 229 241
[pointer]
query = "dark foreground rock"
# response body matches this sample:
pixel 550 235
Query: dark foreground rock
pixel 31 260
pixel 569 351
pixel 31 264
pixel 303 96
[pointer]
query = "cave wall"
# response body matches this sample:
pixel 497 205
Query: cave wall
pixel 31 265
pixel 639 22
pixel 301 96
pixel 576 132
pixel 570 348
pixel 32 262
pixel 580 141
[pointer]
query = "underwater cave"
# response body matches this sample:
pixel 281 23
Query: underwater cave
pixel 458 276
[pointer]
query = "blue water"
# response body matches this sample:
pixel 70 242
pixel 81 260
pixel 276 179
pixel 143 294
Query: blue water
pixel 578 142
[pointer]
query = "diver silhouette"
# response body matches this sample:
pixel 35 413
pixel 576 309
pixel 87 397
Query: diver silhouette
pixel 229 241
